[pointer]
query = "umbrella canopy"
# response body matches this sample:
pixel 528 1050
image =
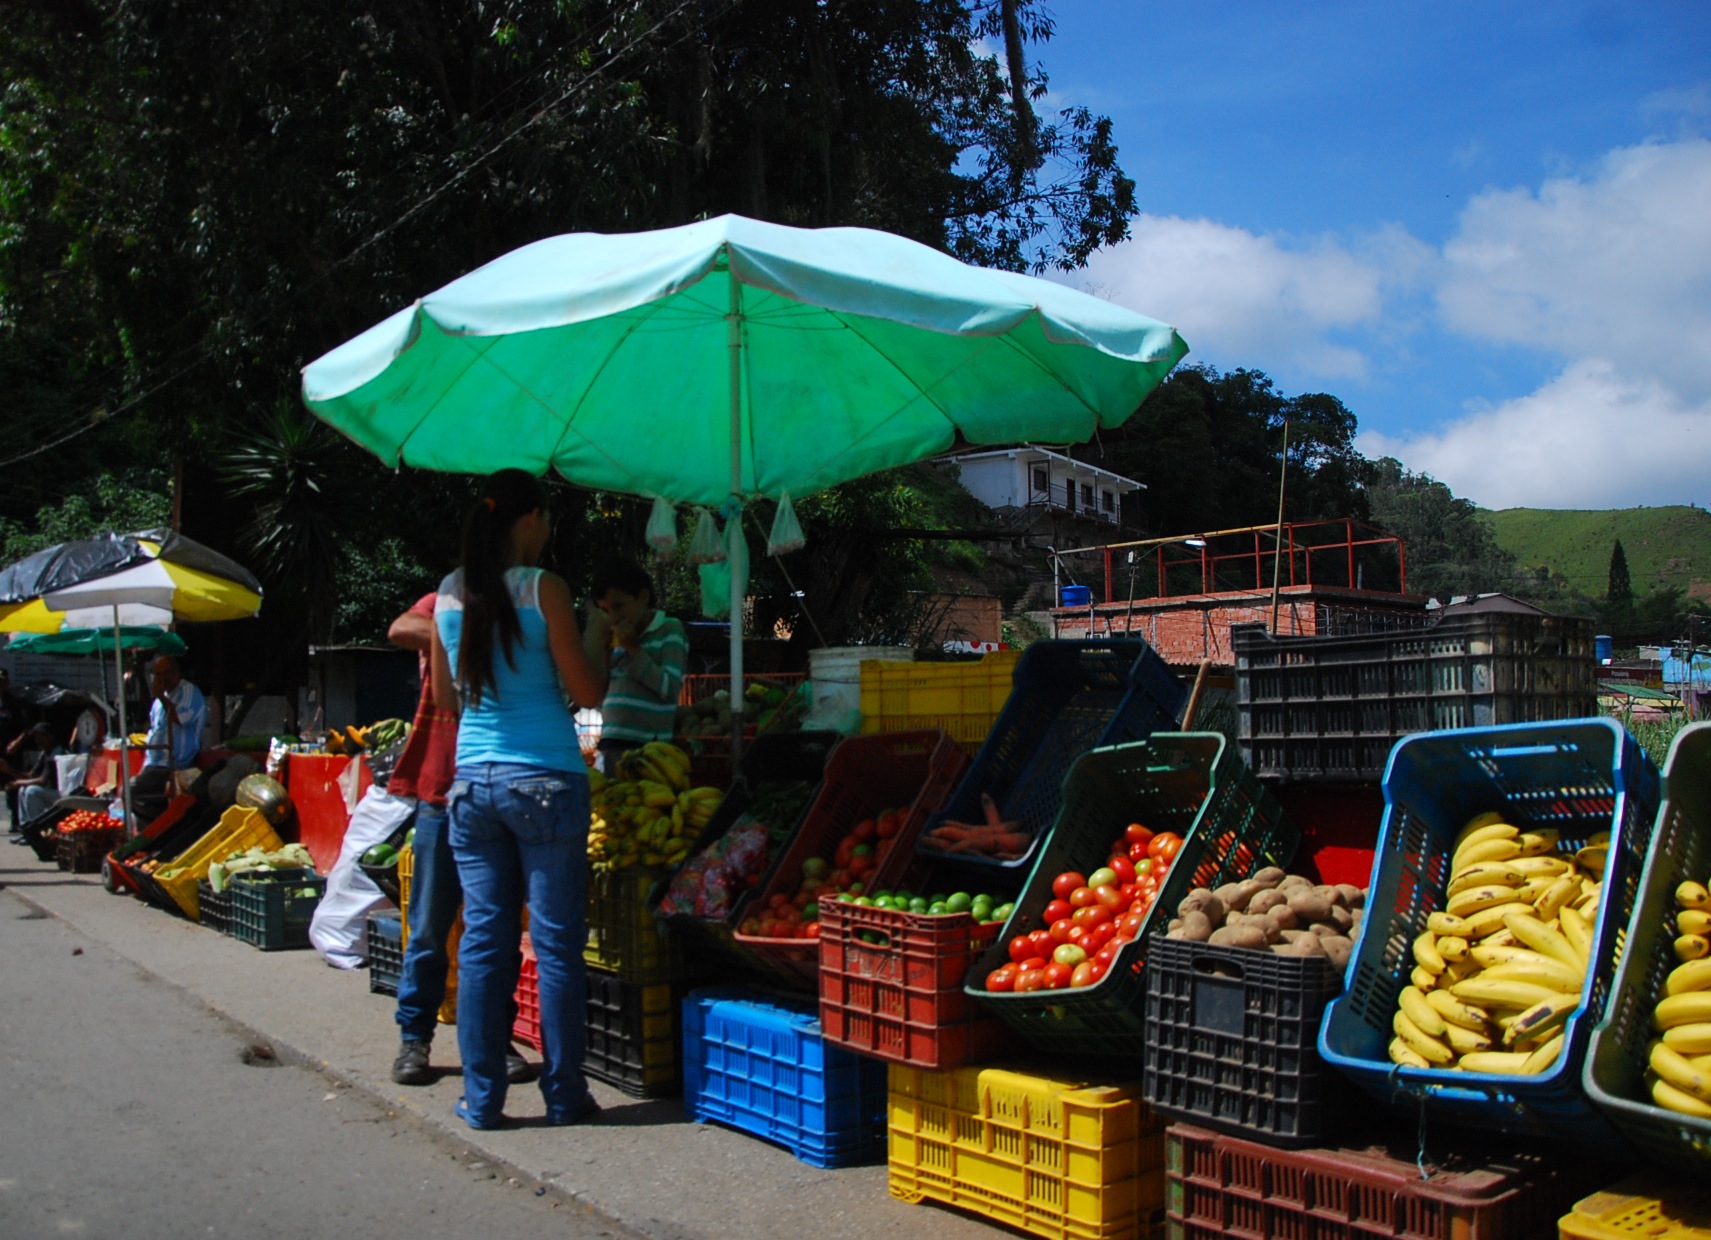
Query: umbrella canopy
pixel 732 359
pixel 98 641
pixel 151 577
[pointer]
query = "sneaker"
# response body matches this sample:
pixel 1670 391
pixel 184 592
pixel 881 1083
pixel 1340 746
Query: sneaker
pixel 586 1112
pixel 411 1066
pixel 519 1071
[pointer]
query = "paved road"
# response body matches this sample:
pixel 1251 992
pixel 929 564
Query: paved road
pixel 129 1112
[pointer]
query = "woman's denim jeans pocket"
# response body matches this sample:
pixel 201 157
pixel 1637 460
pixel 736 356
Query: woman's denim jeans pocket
pixel 543 809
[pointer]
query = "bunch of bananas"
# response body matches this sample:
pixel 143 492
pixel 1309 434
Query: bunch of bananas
pixel 375 737
pixel 1499 971
pixel 650 816
pixel 1680 1076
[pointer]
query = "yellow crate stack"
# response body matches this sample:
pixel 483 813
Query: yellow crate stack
pixel 962 698
pixel 1059 1159
pixel 406 870
pixel 239 830
pixel 1653 1204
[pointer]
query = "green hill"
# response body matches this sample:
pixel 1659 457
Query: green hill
pixel 1665 546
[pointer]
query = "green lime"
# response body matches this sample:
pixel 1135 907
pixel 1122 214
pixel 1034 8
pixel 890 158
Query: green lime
pixel 864 901
pixel 937 908
pixel 1002 912
pixel 918 905
pixel 959 902
pixel 810 912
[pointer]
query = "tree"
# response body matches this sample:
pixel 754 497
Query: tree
pixel 1449 546
pixel 1620 592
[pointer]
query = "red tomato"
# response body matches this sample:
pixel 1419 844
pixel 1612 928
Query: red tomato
pixel 1042 941
pixel 1123 868
pixel 1105 955
pixel 1057 910
pixel 864 831
pixel 1099 971
pixel 886 826
pixel 1030 964
pixel 1067 882
pixel 1110 897
pixel 1095 939
pixel 1138 854
pixel 1060 930
pixel 1057 975
pixel 1003 977
pixel 1131 922
pixel 1033 979
pixel 1092 915
pixel 811 930
pixel 1137 834
pixel 1021 947
pixel 1081 897
pixel 1164 847
pixel 1083 974
pixel 1077 933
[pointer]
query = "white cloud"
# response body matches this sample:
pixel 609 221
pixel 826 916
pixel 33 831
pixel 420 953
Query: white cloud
pixel 1590 438
pixel 1245 299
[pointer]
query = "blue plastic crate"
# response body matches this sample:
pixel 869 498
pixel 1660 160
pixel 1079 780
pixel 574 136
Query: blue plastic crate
pixel 759 1063
pixel 1069 697
pixel 385 951
pixel 1579 777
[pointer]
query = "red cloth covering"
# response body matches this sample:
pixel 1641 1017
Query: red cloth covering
pixel 429 760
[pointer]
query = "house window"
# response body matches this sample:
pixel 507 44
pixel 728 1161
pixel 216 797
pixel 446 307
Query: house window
pixel 1108 501
pixel 1087 495
pixel 1042 481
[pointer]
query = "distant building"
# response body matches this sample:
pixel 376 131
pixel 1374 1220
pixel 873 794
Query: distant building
pixel 1030 477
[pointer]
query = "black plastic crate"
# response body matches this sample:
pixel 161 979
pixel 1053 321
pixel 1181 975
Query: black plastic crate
pixel 216 906
pixel 385 951
pixel 1232 1041
pixel 81 852
pixel 1069 697
pixel 1331 708
pixel 271 909
pixel 634 1036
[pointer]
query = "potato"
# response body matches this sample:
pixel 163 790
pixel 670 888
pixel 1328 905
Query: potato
pixel 1324 929
pixel 1197 898
pixel 1329 894
pixel 1292 881
pixel 1264 925
pixel 1309 906
pixel 1306 945
pixel 1289 936
pixel 1196 926
pixel 1344 918
pixel 1269 877
pixel 1353 897
pixel 1339 949
pixel 1235 896
pixel 1239 936
pixel 1175 924
pixel 1283 917
pixel 1265 900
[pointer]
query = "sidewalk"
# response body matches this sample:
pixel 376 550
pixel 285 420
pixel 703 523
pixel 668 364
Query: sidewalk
pixel 646 1168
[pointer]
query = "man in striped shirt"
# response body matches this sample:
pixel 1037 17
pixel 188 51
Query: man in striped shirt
pixel 648 652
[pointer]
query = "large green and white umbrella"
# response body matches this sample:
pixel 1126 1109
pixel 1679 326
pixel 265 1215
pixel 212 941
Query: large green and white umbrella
pixel 733 359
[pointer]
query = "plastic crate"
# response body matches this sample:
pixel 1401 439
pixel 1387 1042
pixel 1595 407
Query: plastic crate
pixel 1616 1056
pixel 181 824
pixel 633 1030
pixel 1063 1159
pixel 624 938
pixel 1069 697
pixel 215 906
pixel 963 700
pixel 1192 783
pixel 866 775
pixel 1223 1186
pixel 1650 1204
pixel 1232 1040
pixel 1332 707
pixel 385 951
pixel 81 852
pixel 271 909
pixel 760 1064
pixel 406 870
pixel 1577 777
pixel 238 830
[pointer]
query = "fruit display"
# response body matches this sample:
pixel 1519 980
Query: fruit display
pixel 221 873
pixel 373 738
pixel 717 877
pixel 649 815
pixel 1500 969
pixel 766 705
pixel 86 820
pixel 382 854
pixel 1680 1059
pixel 856 856
pixel 1090 917
pixel 1283 913
pixel 996 837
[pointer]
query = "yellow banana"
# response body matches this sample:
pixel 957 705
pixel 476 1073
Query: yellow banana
pixel 1479 822
pixel 1466 1041
pixel 1504 1063
pixel 1672 1066
pixel 1671 1098
pixel 1489 921
pixel 1692 896
pixel 1407 1056
pixel 1562 889
pixel 1422 979
pixel 1503 938
pixel 1593 858
pixel 1542 939
pixel 1484 850
pixel 1693 921
pixel 657 795
pixel 1485 874
pixel 1487 954
pixel 1689 1039
pixel 1454 1012
pixel 1577 929
pixel 1541 971
pixel 1423 1014
pixel 1544 1056
pixel 1542 1017
pixel 1445 923
pixel 1469 901
pixel 1692 1008
pixel 1695 975
pixel 1453 948
pixel 1533 867
pixel 1487 992
pixel 1428 1048
pixel 1538 842
pixel 1531 891
pixel 1426 953
pixel 1692 947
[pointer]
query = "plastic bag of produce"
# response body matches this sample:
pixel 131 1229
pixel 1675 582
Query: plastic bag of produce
pixel 710 884
pixel 339 929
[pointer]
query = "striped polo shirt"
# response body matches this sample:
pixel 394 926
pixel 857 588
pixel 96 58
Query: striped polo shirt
pixel 641 696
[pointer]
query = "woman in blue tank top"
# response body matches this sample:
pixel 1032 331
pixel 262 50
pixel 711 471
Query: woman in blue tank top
pixel 506 650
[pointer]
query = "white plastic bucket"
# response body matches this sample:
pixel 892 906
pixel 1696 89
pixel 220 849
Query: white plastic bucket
pixel 834 678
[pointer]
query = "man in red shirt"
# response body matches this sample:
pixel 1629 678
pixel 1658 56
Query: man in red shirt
pixel 424 771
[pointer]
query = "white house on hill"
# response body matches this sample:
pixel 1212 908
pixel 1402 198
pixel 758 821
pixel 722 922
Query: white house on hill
pixel 1031 477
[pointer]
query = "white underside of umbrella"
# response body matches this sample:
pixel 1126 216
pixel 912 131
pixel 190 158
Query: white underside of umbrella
pixel 146 585
pixel 130 615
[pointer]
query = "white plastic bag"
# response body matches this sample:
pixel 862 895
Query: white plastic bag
pixel 339 929
pixel 662 529
pixel 786 533
pixel 705 547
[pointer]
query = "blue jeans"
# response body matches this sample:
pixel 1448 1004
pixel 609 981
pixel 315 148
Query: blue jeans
pixel 435 894
pixel 520 835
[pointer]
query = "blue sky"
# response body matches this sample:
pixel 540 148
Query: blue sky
pixel 1487 228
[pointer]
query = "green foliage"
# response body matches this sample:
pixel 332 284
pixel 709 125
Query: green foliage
pixel 1621 588
pixel 1669 546
pixel 1450 547
pixel 107 503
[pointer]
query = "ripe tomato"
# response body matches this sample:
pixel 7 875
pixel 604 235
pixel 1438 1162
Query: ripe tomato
pixel 1092 915
pixel 1099 971
pixel 1164 847
pixel 1057 975
pixel 864 831
pixel 1105 955
pixel 1132 921
pixel 1096 939
pixel 810 931
pixel 1077 933
pixel 1032 979
pixel 1057 910
pixel 1021 947
pixel 1135 833
pixel 1123 868
pixel 1042 941
pixel 1060 930
pixel 1003 978
pixel 1110 897
pixel 1083 974
pixel 885 827
pixel 1138 854
pixel 1067 882
pixel 1030 964
pixel 1081 897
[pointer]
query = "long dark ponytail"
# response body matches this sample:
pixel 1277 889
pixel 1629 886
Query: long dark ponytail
pixel 487 607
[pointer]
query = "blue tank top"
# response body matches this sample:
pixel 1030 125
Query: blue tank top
pixel 523 715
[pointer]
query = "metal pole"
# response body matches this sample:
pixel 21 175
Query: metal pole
pixel 735 320
pixel 124 731
pixel 1277 556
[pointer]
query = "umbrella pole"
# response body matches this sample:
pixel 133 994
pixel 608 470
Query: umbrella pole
pixel 735 320
pixel 124 728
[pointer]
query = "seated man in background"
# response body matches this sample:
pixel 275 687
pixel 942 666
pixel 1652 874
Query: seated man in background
pixel 177 717
pixel 36 782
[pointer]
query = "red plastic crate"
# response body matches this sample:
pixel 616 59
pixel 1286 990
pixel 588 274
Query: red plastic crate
pixel 865 775
pixel 1218 1186
pixel 1339 829
pixel 903 1000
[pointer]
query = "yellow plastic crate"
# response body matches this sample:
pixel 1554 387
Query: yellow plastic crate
pixel 1660 1206
pixel 238 830
pixel 1061 1159
pixel 406 868
pixel 962 698
pixel 406 871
